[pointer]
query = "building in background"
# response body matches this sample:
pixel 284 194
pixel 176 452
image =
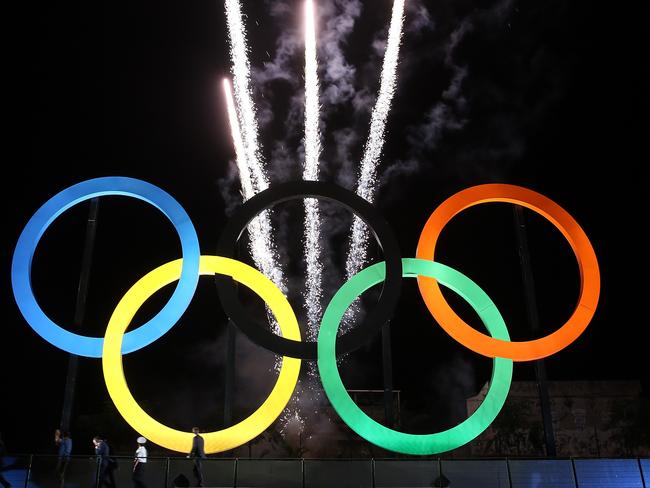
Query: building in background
pixel 590 419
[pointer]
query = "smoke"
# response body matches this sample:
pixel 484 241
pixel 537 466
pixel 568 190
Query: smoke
pixel 367 183
pixel 346 142
pixel 461 104
pixel 281 68
pixel 418 19
pixel 230 188
pixel 449 38
pixel 338 18
pixel 447 114
pixel 453 383
pixel 444 405
pixel 243 121
pixel 335 22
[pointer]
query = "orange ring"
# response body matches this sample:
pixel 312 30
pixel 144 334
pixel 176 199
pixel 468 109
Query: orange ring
pixel 470 337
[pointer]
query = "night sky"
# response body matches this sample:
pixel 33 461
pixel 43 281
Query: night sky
pixel 546 95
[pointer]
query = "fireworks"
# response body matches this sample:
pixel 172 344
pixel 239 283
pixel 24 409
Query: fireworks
pixel 254 179
pixel 312 247
pixel 261 242
pixel 367 184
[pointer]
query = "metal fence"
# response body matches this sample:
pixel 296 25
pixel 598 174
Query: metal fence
pixel 36 471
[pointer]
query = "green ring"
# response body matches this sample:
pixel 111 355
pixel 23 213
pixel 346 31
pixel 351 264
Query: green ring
pixel 376 433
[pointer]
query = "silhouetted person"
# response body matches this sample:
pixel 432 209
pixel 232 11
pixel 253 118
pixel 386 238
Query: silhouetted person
pixel 181 481
pixel 3 451
pixel 198 454
pixel 139 462
pixel 64 450
pixel 441 482
pixel 106 464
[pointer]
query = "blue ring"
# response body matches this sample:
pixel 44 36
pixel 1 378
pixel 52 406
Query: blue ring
pixel 21 265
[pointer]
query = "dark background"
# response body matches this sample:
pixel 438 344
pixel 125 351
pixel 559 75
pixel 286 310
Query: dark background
pixel 553 99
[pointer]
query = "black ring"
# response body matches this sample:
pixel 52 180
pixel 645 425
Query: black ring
pixel 266 199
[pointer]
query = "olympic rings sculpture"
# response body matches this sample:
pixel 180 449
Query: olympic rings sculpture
pixel 21 265
pixel 389 272
pixel 354 338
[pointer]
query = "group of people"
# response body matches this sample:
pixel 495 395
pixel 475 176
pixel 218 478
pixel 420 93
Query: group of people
pixel 108 464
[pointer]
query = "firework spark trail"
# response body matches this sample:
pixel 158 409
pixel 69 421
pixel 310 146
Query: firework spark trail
pixel 261 245
pixel 313 283
pixel 241 82
pixel 259 227
pixel 367 183
pixel 240 150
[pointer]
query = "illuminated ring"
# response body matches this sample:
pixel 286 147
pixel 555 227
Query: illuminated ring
pixel 352 339
pixel 494 347
pixel 21 266
pixel 227 438
pixel 373 431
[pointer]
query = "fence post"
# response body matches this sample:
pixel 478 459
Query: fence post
pixel 29 470
pixel 509 474
pixel 97 469
pixel 575 475
pixel 638 460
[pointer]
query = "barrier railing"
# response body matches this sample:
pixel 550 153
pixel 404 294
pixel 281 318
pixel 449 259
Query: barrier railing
pixel 42 471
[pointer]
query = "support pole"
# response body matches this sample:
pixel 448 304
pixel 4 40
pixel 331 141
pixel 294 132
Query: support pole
pixel 387 361
pixel 80 310
pixel 229 383
pixel 533 322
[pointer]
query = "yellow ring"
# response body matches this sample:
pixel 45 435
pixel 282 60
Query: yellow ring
pixel 176 440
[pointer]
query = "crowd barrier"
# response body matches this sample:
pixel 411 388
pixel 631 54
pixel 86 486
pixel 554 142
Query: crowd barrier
pixel 39 471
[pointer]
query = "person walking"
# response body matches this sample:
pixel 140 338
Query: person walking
pixel 64 443
pixel 139 463
pixel 106 476
pixel 198 454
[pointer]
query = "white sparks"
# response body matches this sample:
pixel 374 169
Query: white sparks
pixel 313 289
pixel 241 81
pixel 252 174
pixel 261 245
pixel 240 150
pixel 367 183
